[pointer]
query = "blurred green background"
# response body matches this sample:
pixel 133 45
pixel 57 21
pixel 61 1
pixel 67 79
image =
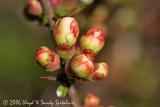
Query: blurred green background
pixel 132 52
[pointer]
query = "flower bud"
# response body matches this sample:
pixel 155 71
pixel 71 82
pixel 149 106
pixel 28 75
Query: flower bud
pixel 66 32
pixel 66 53
pixel 87 2
pixel 34 7
pixel 47 58
pixel 91 100
pixel 92 42
pixel 80 66
pixel 100 72
pixel 55 3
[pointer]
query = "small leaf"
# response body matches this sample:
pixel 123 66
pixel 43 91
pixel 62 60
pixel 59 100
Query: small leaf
pixel 62 91
pixel 70 80
pixel 61 11
pixel 44 19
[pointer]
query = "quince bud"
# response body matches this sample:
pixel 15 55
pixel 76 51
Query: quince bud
pixel 80 66
pixel 55 3
pixel 92 42
pixel 91 100
pixel 47 58
pixel 100 72
pixel 65 31
pixel 34 7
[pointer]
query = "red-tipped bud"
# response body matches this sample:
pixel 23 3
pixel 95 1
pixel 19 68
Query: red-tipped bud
pixel 65 32
pixel 100 72
pixel 92 42
pixel 91 100
pixel 55 3
pixel 34 7
pixel 47 58
pixel 80 66
pixel 66 53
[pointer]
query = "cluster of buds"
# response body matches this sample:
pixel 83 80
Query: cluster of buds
pixel 76 60
pixel 82 65
pixel 79 59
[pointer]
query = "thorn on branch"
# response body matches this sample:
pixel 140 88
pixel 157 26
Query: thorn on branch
pixel 51 78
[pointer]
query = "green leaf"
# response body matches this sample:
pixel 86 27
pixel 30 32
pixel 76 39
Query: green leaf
pixel 61 11
pixel 70 80
pixel 62 91
pixel 44 19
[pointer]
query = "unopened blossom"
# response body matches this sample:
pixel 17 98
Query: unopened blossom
pixel 92 42
pixel 100 72
pixel 91 100
pixel 65 32
pixel 34 7
pixel 47 58
pixel 55 3
pixel 80 66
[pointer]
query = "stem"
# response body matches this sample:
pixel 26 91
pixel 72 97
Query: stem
pixel 78 10
pixel 49 12
pixel 74 96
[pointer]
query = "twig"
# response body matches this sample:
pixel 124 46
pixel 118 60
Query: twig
pixel 78 10
pixel 74 96
pixel 51 78
pixel 48 11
